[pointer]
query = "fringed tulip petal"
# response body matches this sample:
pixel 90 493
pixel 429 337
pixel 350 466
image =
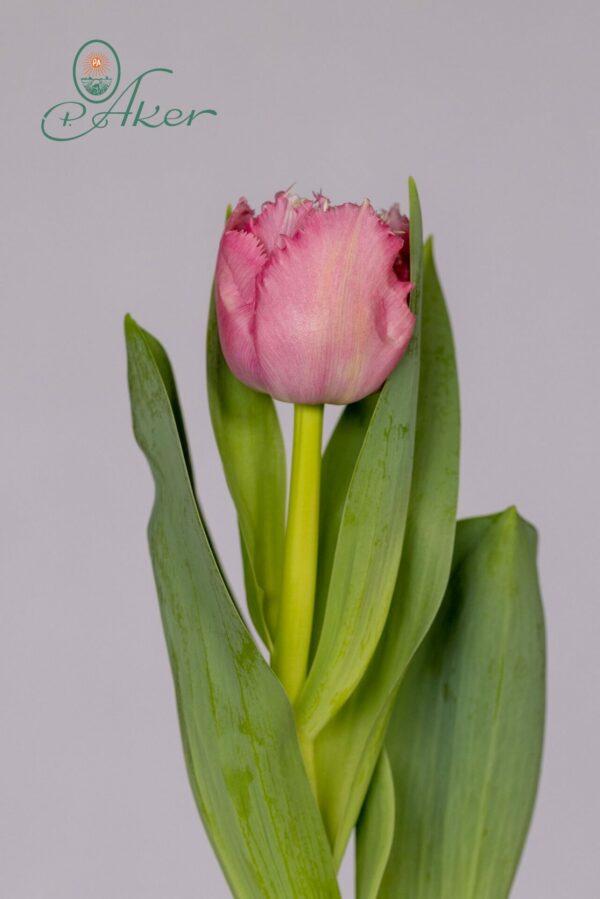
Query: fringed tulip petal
pixel 279 218
pixel 311 307
pixel 323 306
pixel 240 260
pixel 240 217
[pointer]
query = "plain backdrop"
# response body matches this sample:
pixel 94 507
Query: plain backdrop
pixel 494 108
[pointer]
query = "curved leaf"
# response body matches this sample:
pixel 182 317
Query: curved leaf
pixel 465 738
pixel 371 532
pixel 250 442
pixel 237 726
pixel 375 831
pixel 348 748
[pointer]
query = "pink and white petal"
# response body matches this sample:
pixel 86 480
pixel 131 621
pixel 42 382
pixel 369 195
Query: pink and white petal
pixel 239 262
pixel 281 217
pixel 320 333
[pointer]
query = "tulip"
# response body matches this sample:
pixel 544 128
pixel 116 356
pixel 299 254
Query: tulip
pixel 312 308
pixel 312 299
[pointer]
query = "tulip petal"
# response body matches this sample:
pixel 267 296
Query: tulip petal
pixel 282 216
pixel 240 217
pixel 397 319
pixel 331 315
pixel 397 222
pixel 400 225
pixel 241 258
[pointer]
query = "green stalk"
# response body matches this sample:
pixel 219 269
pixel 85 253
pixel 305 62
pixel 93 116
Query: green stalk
pixel 294 625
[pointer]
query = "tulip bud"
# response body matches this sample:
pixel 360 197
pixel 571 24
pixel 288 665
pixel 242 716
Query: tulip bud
pixel 312 299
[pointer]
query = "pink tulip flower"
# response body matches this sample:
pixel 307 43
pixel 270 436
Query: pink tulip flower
pixel 312 299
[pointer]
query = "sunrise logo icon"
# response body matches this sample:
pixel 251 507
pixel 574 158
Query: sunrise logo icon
pixel 96 71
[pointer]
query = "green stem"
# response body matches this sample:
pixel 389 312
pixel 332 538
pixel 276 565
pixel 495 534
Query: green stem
pixel 294 625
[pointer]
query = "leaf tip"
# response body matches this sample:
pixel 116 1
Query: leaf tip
pixel 130 325
pixel 428 252
pixel 512 524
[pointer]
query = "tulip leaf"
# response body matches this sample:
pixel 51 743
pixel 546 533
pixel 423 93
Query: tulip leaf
pixel 237 726
pixel 338 464
pixel 250 442
pixel 161 361
pixel 347 749
pixel 465 737
pixel 371 531
pixel 375 831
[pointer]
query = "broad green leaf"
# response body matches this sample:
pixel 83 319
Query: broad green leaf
pixel 465 738
pixel 371 531
pixel 375 831
pixel 237 726
pixel 250 442
pixel 347 749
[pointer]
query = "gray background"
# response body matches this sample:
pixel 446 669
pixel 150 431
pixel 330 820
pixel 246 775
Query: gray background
pixel 494 109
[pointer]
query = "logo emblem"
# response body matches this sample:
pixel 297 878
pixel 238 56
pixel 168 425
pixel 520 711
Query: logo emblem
pixel 96 71
pixel 96 75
